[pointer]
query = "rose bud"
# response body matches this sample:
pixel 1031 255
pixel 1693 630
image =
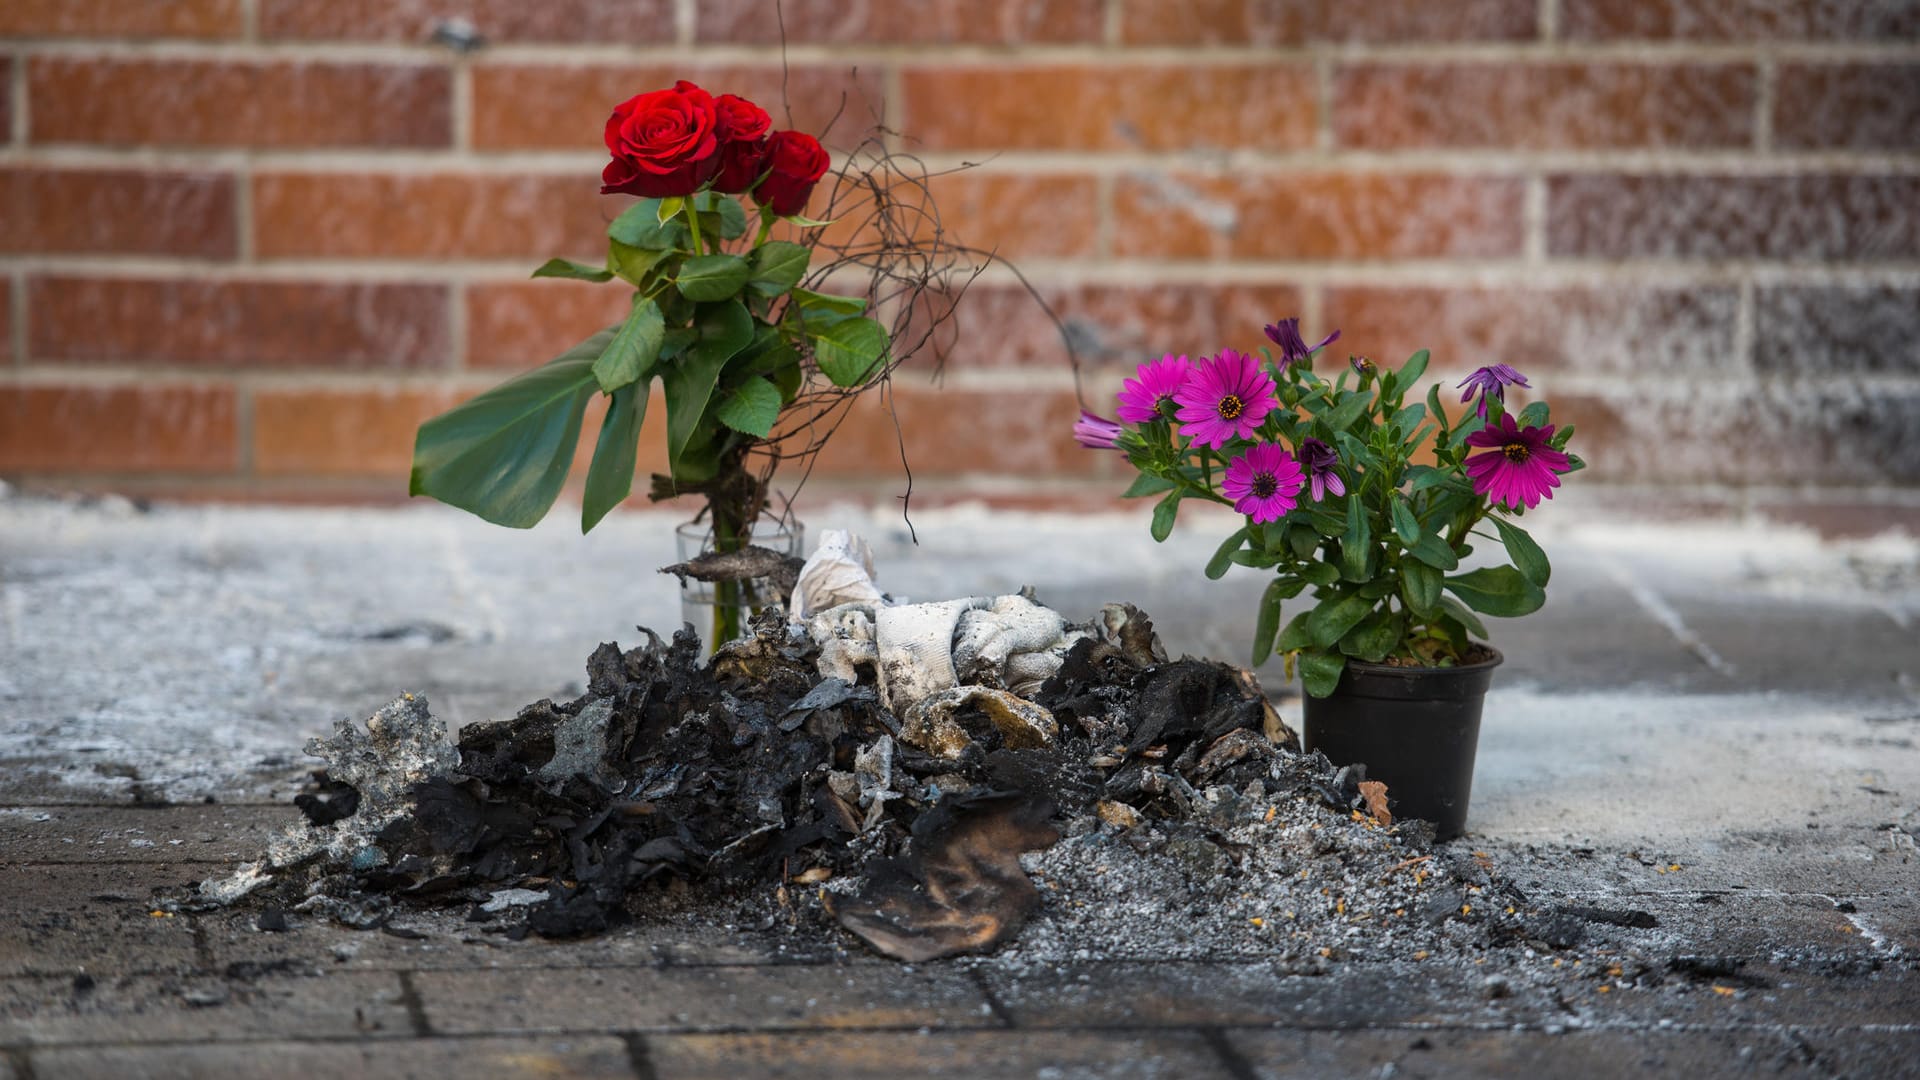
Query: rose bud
pixel 798 163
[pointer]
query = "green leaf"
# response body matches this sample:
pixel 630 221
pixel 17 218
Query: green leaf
pixel 643 226
pixel 567 268
pixel 1435 553
pixel 1458 612
pixel 1534 415
pixel 1415 367
pixel 720 216
pixel 634 265
pixel 1423 477
pixel 1331 619
pixel 635 346
pixel 1352 404
pixel 724 329
pixel 1526 555
pixel 1163 514
pixel 1419 587
pixel 815 304
pixel 1375 637
pixel 610 476
pixel 1404 524
pixel 1295 635
pixel 1146 484
pixel 504 455
pixel 807 222
pixel 1356 544
pixel 1498 590
pixel 850 351
pixel 1575 463
pixel 1320 573
pixel 712 277
pixel 1223 558
pixel 1305 541
pixel 1267 623
pixel 777 266
pixel 751 408
pixel 669 207
pixel 1435 410
pixel 1320 672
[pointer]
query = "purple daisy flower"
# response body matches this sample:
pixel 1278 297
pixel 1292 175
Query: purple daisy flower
pixel 1294 348
pixel 1224 398
pixel 1492 382
pixel 1264 482
pixel 1318 459
pixel 1149 395
pixel 1522 469
pixel 1096 432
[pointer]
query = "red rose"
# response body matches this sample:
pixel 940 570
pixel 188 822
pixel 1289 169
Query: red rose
pixel 798 163
pixel 739 119
pixel 741 163
pixel 665 144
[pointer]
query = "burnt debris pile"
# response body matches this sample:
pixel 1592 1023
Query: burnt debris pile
pixel 908 780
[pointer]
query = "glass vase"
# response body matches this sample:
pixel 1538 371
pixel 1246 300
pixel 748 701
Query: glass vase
pixel 720 610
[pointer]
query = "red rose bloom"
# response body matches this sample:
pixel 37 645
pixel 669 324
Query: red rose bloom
pixel 798 163
pixel 740 120
pixel 664 144
pixel 743 143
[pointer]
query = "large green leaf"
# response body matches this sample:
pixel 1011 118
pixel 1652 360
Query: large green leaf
pixel 1375 637
pixel 1527 556
pixel 610 475
pixel 1331 619
pixel 1457 611
pixel 821 310
pixel 724 330
pixel 1405 526
pixel 850 351
pixel 1163 514
pixel 640 226
pixel 1415 367
pixel 712 277
pixel 1419 587
pixel 1498 590
pixel 1295 635
pixel 567 268
pixel 504 455
pixel 1267 623
pixel 1320 672
pixel 751 408
pixel 777 266
pixel 1146 484
pixel 634 264
pixel 630 355
pixel 1356 544
pixel 1223 558
pixel 1435 552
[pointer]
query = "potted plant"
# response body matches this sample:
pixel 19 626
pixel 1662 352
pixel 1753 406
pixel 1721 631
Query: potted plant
pixel 1373 503
pixel 748 357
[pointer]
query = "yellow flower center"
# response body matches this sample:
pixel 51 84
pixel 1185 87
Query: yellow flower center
pixel 1516 452
pixel 1231 407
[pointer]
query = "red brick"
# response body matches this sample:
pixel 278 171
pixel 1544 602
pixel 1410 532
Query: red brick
pixel 1138 107
pixel 1543 106
pixel 973 22
pixel 1847 107
pixel 626 22
pixel 120 428
pixel 97 211
pixel 6 96
pixel 370 433
pixel 1651 332
pixel 235 103
pixel 1829 330
pixel 431 215
pixel 524 324
pixel 1318 216
pixel 565 107
pixel 953 432
pixel 121 18
pixel 6 320
pixel 1710 217
pixel 1111 326
pixel 1734 20
pixel 1030 216
pixel 251 324
pixel 1301 22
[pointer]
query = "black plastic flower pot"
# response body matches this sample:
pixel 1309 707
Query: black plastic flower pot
pixel 1414 728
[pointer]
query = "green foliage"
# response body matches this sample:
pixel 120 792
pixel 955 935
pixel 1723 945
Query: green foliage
pixel 850 351
pixel 635 346
pixel 751 408
pixel 610 475
pixel 567 268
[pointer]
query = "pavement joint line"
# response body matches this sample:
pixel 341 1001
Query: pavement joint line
pixel 639 1057
pixel 1231 1059
pixel 994 1004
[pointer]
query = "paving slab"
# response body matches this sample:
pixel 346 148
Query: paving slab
pixel 1472 1055
pixel 373 1059
pixel 184 1008
pixel 720 998
pixel 985 1055
pixel 171 834
pixel 64 920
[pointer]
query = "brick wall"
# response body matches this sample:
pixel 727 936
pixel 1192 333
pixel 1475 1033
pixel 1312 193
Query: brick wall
pixel 249 244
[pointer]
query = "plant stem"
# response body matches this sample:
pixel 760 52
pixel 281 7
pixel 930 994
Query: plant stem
pixel 728 535
pixel 766 228
pixel 693 227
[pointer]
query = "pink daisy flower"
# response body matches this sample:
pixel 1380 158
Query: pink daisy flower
pixel 1264 482
pixel 1523 468
pixel 1225 398
pixel 1096 432
pixel 1149 394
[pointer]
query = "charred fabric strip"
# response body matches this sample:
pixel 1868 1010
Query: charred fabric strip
pixel 765 767
pixel 747 564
